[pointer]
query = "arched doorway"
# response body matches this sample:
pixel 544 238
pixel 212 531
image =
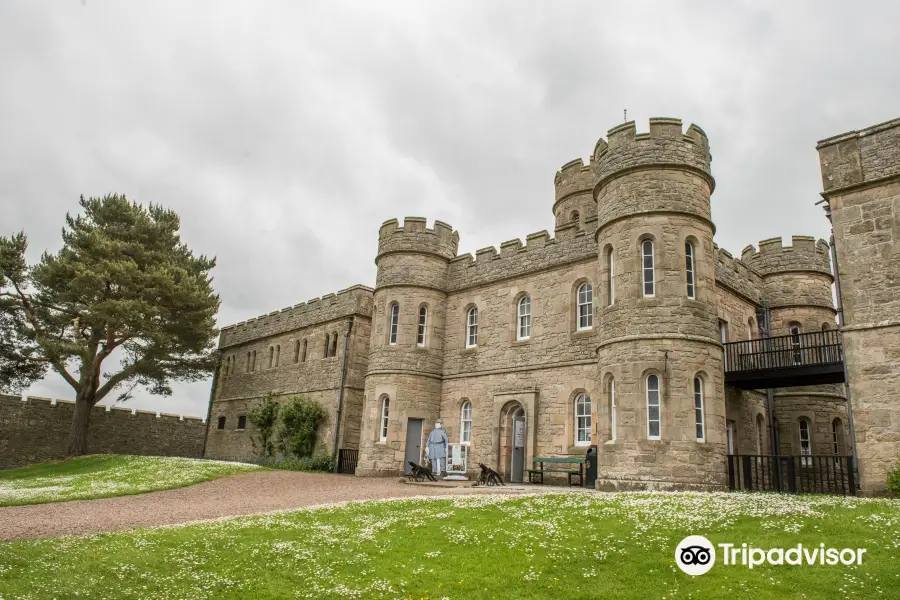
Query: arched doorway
pixel 512 441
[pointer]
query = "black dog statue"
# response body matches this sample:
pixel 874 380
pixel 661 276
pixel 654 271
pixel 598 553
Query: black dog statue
pixel 488 476
pixel 420 473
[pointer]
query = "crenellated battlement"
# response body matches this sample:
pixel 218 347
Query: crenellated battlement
pixel 540 251
pixel 737 275
pixel 664 145
pixel 414 236
pixel 572 178
pixel 804 254
pixel 353 300
pixel 860 157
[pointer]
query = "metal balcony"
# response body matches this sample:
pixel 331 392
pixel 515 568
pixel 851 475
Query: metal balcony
pixel 785 361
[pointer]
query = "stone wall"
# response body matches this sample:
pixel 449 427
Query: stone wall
pixel 37 430
pixel 861 179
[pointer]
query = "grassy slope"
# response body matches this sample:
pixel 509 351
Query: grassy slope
pixel 105 475
pixel 572 546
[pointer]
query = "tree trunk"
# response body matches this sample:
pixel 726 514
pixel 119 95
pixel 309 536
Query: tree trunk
pixel 78 433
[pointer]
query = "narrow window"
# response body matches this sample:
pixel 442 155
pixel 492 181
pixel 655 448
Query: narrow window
pixel 837 431
pixel 689 268
pixel 729 436
pixel 524 318
pixel 385 409
pixel 395 321
pixel 723 337
pixel 225 366
pixel 221 423
pixel 805 445
pixel 334 339
pixel 698 408
pixel 582 420
pixel 647 250
pixel 242 422
pixel 296 351
pixel 760 427
pixel 574 218
pixel 303 352
pixel 247 366
pixel 327 344
pixel 796 351
pixel 653 407
pixel 750 327
pixel 253 362
pixel 612 409
pixel 585 306
pixel 277 355
pixel 465 423
pixel 472 328
pixel 611 265
pixel 271 355
pixel 423 323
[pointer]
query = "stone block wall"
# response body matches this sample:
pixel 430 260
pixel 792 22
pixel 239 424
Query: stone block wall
pixel 37 430
pixel 861 182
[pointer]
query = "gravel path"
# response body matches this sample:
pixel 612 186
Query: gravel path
pixel 243 494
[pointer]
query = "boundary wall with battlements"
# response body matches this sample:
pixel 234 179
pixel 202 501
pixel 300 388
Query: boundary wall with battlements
pixel 37 429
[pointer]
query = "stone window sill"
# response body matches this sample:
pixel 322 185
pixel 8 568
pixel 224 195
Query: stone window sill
pixel 583 332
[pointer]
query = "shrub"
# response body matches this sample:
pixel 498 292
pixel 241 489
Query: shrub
pixel 893 478
pixel 317 462
pixel 263 418
pixel 300 419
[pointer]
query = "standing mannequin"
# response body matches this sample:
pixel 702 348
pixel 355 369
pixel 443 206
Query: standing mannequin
pixel 436 447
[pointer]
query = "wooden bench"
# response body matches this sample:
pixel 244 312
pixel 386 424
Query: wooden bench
pixel 537 475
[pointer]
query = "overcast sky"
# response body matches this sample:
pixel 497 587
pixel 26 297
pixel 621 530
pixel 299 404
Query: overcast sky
pixel 284 133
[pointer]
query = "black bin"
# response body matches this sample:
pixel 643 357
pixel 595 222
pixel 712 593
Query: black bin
pixel 590 467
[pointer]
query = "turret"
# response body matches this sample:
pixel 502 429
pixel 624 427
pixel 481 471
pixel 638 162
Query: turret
pixel 658 327
pixel 573 199
pixel 406 351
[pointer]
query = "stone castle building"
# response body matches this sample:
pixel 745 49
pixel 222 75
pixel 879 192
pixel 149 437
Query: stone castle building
pixel 611 333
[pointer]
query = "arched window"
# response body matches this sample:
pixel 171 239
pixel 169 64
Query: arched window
pixel 805 443
pixel 585 306
pixel 751 327
pixel 574 217
pixel 760 439
pixel 611 282
pixel 277 355
pixel 296 351
pixel 653 408
pixel 647 270
pixel 423 324
pixel 837 439
pixel 612 408
pixel 689 268
pixel 271 355
pixel 247 366
pixel 383 421
pixel 395 323
pixel 582 420
pixel 253 362
pixel 303 352
pixel 826 326
pixel 524 329
pixel 472 328
pixel 698 409
pixel 327 344
pixel 796 350
pixel 465 423
pixel 334 339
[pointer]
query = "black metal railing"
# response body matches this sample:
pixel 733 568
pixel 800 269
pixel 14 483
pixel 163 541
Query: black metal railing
pixel 347 459
pixel 785 351
pixel 804 474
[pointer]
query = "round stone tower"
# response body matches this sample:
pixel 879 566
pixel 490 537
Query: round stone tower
pixel 403 381
pixel 573 198
pixel 797 283
pixel 658 324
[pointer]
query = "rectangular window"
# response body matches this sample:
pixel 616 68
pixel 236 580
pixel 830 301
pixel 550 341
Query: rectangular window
pixel 585 306
pixel 524 318
pixel 423 323
pixel 653 408
pixel 221 423
pixel 472 328
pixel 242 422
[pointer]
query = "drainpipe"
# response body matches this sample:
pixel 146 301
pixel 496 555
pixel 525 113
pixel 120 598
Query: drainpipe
pixel 212 395
pixel 340 405
pixel 840 312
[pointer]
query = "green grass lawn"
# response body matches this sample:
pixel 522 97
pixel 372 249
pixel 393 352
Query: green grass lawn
pixel 566 545
pixel 105 475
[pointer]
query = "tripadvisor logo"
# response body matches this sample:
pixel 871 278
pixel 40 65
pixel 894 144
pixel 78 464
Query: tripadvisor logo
pixel 696 555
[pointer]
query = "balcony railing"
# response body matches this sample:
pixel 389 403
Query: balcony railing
pixel 788 360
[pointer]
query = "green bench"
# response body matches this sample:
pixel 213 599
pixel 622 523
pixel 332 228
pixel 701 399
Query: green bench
pixel 537 475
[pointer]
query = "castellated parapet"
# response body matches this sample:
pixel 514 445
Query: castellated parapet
pixel 353 300
pixel 860 157
pixel 573 198
pixel 414 236
pixel 737 276
pixel 804 254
